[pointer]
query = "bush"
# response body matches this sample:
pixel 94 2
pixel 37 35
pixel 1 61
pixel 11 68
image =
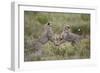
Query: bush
pixel 81 29
pixel 85 17
pixel 43 19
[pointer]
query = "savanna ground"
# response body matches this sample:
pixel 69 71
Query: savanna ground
pixel 33 26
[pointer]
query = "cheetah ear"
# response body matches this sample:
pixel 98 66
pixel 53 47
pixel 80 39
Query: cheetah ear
pixel 48 23
pixel 68 26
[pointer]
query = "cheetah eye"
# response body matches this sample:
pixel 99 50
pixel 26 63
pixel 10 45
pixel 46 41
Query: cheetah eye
pixel 61 39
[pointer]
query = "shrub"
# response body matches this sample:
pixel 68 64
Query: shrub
pixel 81 29
pixel 43 19
pixel 85 17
